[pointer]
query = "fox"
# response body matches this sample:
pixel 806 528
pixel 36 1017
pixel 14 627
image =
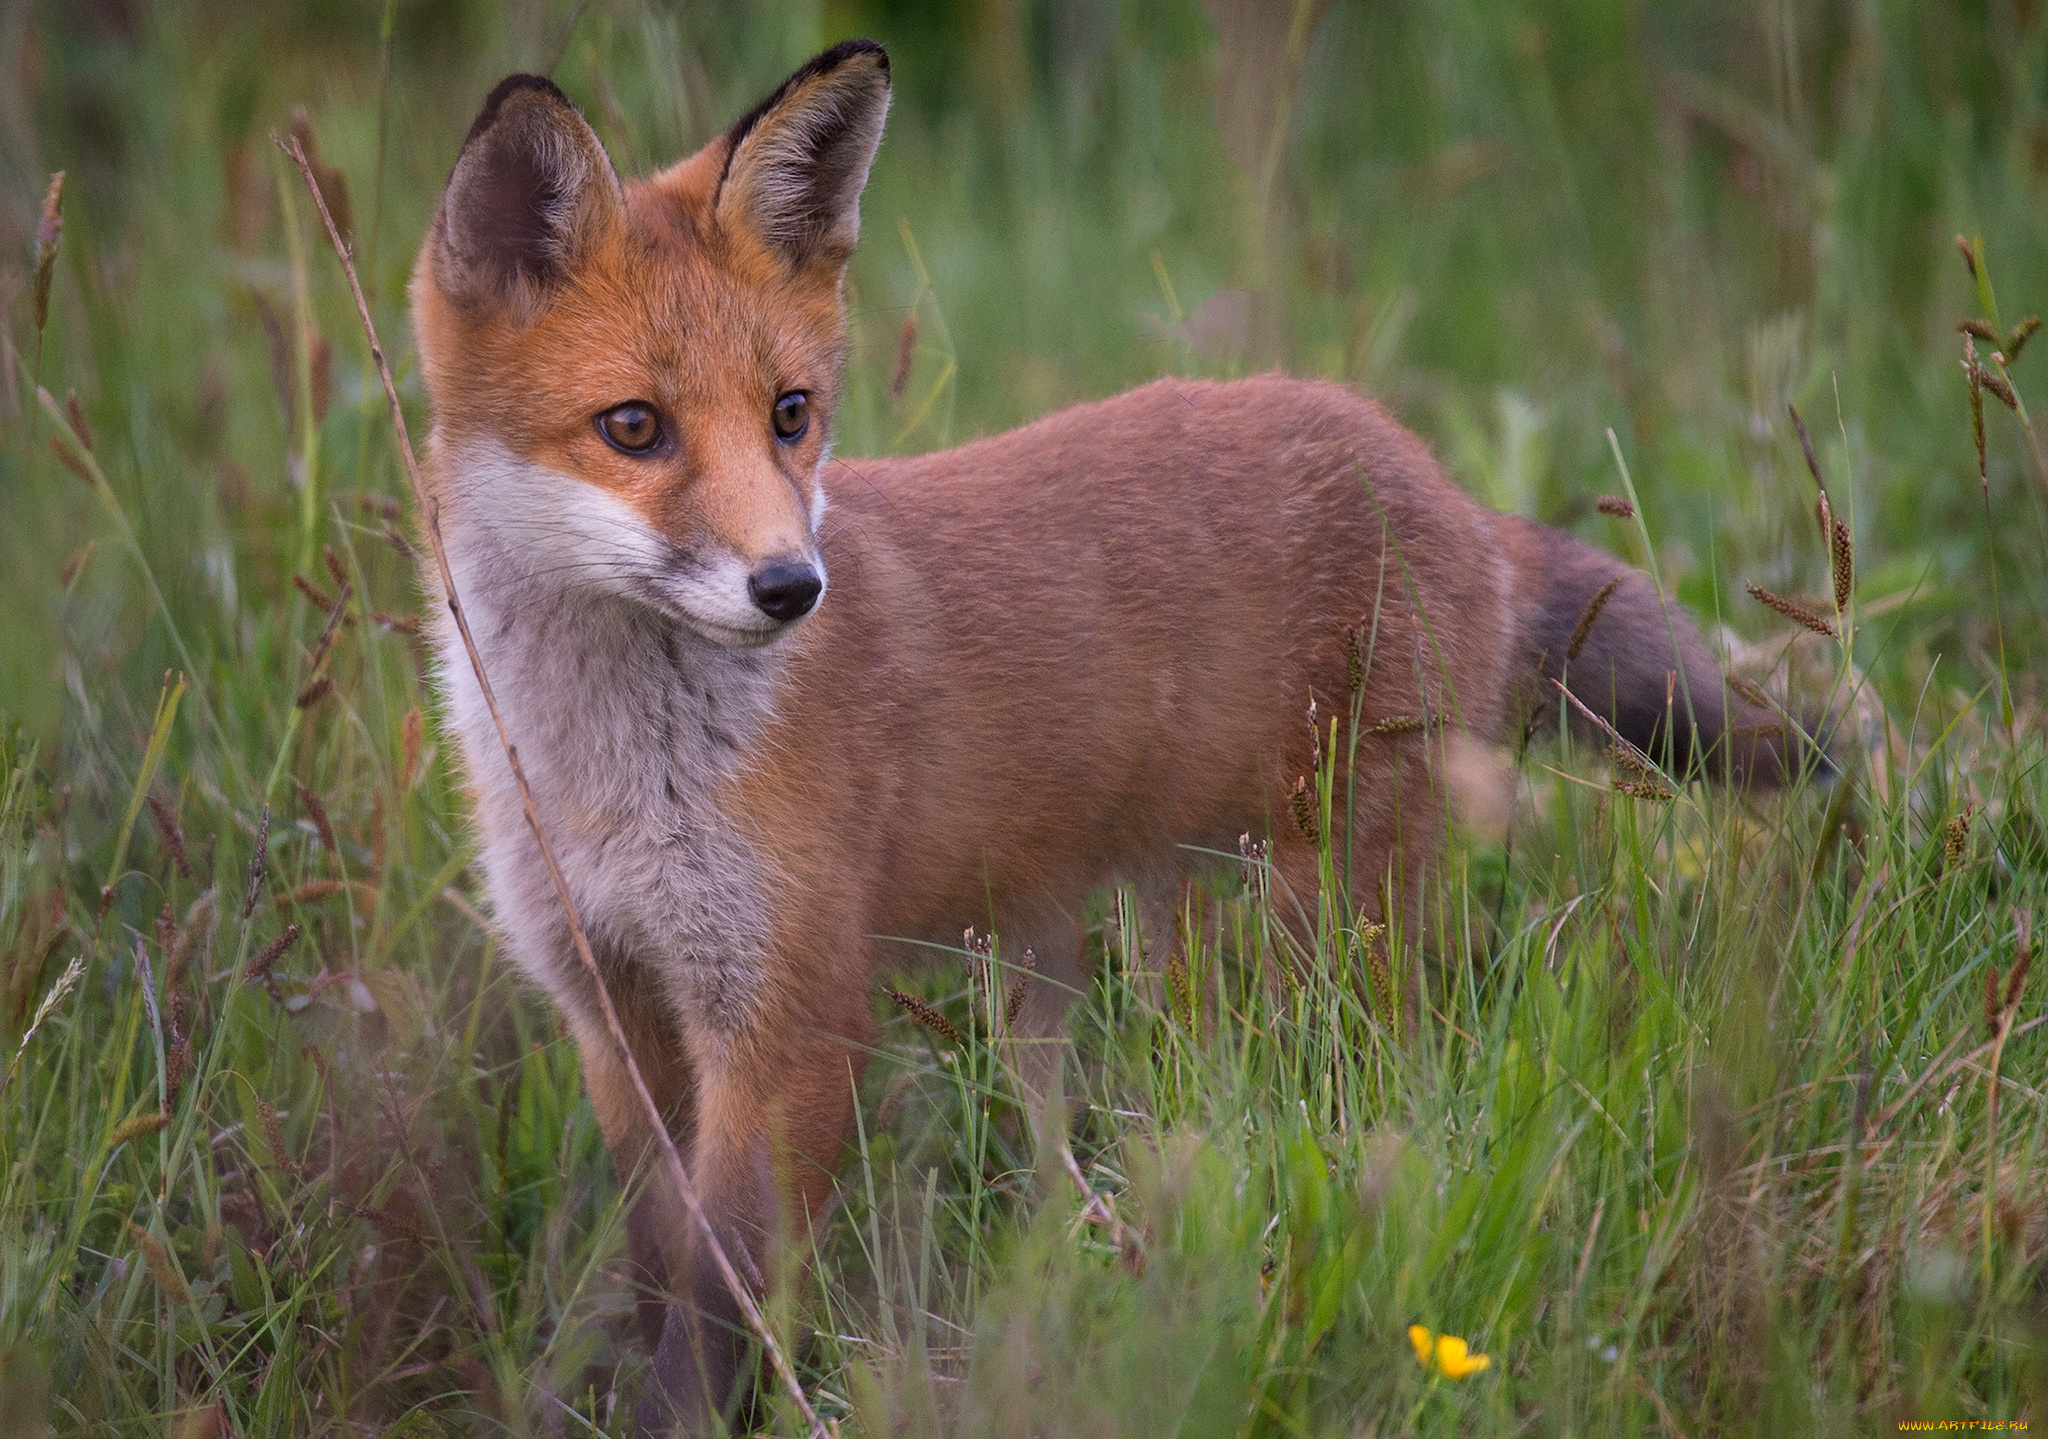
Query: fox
pixel 789 715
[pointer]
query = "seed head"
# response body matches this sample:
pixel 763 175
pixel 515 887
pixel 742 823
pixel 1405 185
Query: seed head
pixel 1955 838
pixel 2017 340
pixel 1583 630
pixel 1792 610
pixel 1302 801
pixel 160 1266
pixel 1615 505
pixel 173 837
pixel 49 234
pixel 925 1015
pixel 259 967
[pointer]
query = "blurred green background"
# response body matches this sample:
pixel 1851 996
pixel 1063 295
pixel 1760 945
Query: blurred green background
pixel 1519 224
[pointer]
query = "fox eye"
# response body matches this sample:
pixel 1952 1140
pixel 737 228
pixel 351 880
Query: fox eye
pixel 632 428
pixel 792 416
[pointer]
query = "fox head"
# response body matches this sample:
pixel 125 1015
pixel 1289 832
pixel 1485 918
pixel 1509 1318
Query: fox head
pixel 633 383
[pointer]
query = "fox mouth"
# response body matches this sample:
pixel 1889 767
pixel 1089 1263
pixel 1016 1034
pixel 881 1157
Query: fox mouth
pixel 701 599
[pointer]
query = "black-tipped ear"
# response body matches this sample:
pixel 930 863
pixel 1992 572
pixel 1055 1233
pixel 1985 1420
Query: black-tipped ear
pixel 531 188
pixel 795 165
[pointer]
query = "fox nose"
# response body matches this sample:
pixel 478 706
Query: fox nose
pixel 785 592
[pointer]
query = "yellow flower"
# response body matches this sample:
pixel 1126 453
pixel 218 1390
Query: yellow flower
pixel 1449 1355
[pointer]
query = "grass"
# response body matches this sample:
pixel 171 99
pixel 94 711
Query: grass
pixel 1695 1115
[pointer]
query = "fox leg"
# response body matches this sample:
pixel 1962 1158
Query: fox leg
pixel 774 1108
pixel 657 1226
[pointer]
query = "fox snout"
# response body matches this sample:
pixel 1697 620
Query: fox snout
pixel 786 590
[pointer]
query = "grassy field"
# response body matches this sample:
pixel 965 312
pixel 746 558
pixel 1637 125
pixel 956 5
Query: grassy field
pixel 1711 1116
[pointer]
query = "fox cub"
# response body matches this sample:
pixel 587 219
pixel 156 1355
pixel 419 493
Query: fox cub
pixel 776 706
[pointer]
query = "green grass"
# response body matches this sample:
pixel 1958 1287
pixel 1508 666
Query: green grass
pixel 1683 1113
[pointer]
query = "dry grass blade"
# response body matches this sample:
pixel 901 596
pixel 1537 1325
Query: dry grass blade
pixel 1794 611
pixel 1588 617
pixel 672 1162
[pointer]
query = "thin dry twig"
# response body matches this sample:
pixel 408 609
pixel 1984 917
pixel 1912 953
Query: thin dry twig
pixel 672 1161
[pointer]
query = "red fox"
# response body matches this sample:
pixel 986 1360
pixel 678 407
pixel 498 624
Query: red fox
pixel 776 704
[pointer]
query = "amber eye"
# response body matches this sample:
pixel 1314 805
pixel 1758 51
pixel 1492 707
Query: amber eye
pixel 633 428
pixel 792 416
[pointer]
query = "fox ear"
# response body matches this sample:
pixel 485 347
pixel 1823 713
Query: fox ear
pixel 531 188
pixel 795 165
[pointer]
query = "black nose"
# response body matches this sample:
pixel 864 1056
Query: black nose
pixel 785 592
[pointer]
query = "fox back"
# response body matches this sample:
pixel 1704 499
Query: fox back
pixel 789 716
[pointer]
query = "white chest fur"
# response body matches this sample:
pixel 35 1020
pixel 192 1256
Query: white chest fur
pixel 626 724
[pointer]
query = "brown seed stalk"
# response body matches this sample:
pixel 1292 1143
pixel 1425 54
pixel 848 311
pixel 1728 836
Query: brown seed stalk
pixel 49 235
pixel 1180 993
pixel 1583 630
pixel 75 413
pixel 313 693
pixel 1842 560
pixel 925 1015
pixel 1750 690
pixel 1792 610
pixel 318 598
pixel 1979 329
pixel 173 837
pixel 259 967
pixel 1398 724
pixel 1354 659
pixel 1615 505
pixel 1969 255
pixel 273 1135
pixel 70 460
pixel 1013 999
pixel 316 812
pixel 1302 802
pixel 2017 340
pixel 1955 838
pixel 1995 385
pixel 1637 789
pixel 160 1266
pixel 256 864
